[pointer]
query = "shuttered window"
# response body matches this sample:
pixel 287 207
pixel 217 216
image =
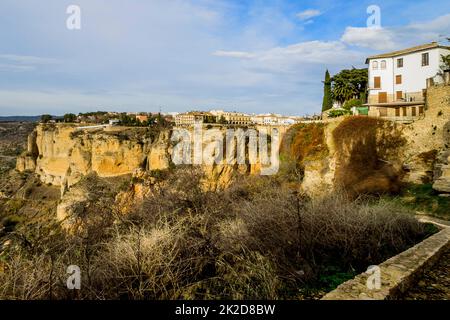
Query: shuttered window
pixel 377 82
pixel 382 97
pixel 399 95
pixel 398 79
pixel 425 59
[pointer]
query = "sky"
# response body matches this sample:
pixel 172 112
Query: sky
pixel 251 56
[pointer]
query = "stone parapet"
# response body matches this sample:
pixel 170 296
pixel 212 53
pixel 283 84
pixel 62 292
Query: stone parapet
pixel 398 273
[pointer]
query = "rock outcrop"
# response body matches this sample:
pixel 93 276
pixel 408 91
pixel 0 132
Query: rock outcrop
pixel 442 172
pixel 364 153
pixel 61 155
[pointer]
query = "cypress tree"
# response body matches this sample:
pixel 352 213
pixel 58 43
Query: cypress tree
pixel 327 100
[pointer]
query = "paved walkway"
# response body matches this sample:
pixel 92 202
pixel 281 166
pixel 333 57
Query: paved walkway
pixel 435 283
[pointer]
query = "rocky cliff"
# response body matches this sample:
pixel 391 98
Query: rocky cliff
pixel 372 155
pixel 61 154
pixel 359 153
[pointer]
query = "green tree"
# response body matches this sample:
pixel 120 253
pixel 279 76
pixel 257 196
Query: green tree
pixel 349 104
pixel 46 118
pixel 349 84
pixel 222 120
pixel 69 117
pixel 327 99
pixel 445 65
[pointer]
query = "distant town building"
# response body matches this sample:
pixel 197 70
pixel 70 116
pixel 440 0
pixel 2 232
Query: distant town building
pixel 232 118
pixel 273 120
pixel 237 118
pixel 193 117
pixel 398 81
pixel 142 118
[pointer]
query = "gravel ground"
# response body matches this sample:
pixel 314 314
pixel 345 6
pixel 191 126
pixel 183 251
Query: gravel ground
pixel 434 284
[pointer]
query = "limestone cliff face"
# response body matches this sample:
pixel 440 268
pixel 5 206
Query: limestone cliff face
pixel 428 138
pixel 376 156
pixel 62 155
pixel 364 153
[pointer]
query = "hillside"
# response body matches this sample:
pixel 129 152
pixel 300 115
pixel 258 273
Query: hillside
pixel 140 227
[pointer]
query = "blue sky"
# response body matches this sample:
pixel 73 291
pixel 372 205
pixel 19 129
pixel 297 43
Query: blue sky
pixel 142 55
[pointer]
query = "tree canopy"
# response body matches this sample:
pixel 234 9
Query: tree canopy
pixel 349 84
pixel 46 118
pixel 327 98
pixel 70 117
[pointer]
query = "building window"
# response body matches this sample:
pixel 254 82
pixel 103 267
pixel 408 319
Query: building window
pixel 375 65
pixel 377 82
pixel 413 111
pixel 382 97
pixel 398 79
pixel 397 112
pixel 404 111
pixel 420 110
pixel 383 64
pixel 399 95
pixel 400 63
pixel 425 59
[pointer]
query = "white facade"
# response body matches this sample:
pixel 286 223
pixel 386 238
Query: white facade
pixel 404 81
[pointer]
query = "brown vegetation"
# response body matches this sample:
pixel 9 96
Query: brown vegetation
pixel 302 142
pixel 365 147
pixel 255 240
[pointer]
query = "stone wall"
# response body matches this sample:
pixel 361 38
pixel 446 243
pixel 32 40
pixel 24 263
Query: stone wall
pixel 397 274
pixel 428 137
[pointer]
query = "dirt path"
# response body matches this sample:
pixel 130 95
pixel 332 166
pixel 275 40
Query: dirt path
pixel 435 283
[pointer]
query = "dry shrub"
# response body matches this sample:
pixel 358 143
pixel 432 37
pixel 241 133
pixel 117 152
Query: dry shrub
pixel 144 264
pixel 363 145
pixel 36 270
pixel 256 240
pixel 304 141
pixel 301 143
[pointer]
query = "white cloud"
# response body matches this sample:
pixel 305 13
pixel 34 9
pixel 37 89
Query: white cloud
pixel 308 14
pixel 290 59
pixel 234 54
pixel 19 63
pixel 373 38
pixel 27 59
pixel 15 68
pixel 391 38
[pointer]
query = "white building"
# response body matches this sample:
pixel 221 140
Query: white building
pixel 398 80
pixel 273 120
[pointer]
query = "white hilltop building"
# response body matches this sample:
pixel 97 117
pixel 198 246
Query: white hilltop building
pixel 398 80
